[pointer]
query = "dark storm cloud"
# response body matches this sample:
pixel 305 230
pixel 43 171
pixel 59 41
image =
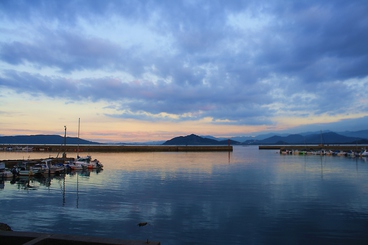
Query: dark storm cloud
pixel 237 62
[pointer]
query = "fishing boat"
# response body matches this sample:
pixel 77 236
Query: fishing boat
pixel 364 153
pixel 22 170
pixel 341 153
pixel 46 167
pixel 88 163
pixel 74 165
pixel 84 162
pixel 4 172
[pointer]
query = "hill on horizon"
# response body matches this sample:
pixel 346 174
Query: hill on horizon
pixel 43 139
pixel 197 140
pixel 325 137
pixel 298 139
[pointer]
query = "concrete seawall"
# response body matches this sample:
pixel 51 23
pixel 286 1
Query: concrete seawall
pixel 123 148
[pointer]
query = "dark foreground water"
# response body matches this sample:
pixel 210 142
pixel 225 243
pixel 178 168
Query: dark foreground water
pixel 244 197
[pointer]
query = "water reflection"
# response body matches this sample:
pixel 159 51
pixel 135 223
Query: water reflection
pixel 245 197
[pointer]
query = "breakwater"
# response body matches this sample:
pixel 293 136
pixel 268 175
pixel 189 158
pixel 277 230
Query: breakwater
pixel 115 148
pixel 314 147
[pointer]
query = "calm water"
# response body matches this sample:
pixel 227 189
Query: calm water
pixel 244 197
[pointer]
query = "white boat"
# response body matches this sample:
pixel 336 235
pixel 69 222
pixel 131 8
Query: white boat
pixel 87 163
pixel 286 152
pixel 328 153
pixel 22 170
pixel 364 153
pixel 321 152
pixel 352 154
pixel 46 167
pixel 341 153
pixel 84 162
pixel 74 165
pixel 5 173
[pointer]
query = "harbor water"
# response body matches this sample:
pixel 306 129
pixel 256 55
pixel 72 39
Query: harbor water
pixel 247 196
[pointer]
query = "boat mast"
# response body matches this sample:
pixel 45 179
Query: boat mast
pixel 64 154
pixel 78 137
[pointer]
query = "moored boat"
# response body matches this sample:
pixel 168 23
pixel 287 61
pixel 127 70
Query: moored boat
pixel 23 170
pixel 73 165
pixel 341 153
pixel 4 172
pixel 364 153
pixel 46 167
pixel 84 162
pixel 87 163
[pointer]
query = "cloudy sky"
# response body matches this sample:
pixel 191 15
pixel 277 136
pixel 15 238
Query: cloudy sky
pixel 153 70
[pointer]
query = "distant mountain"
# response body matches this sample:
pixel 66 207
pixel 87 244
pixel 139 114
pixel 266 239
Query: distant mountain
pixel 42 139
pixel 324 138
pixel 356 134
pixel 138 143
pixel 210 137
pixel 238 139
pixel 327 137
pixel 243 138
pixel 290 139
pixel 196 140
pixel 332 138
pixel 265 136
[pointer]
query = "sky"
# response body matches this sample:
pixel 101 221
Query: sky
pixel 136 71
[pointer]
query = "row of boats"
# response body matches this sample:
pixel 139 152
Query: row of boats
pixel 47 167
pixel 350 153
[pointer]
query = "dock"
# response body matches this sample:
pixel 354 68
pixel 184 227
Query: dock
pixel 314 147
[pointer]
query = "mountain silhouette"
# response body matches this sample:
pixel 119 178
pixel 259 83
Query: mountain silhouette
pixel 297 139
pixel 42 139
pixel 196 140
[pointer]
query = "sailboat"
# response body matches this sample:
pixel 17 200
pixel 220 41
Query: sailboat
pixel 84 162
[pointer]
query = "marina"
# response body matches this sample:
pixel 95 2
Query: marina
pixel 15 168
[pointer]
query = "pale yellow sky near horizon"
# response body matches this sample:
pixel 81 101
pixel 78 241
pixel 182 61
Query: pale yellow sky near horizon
pixel 31 115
